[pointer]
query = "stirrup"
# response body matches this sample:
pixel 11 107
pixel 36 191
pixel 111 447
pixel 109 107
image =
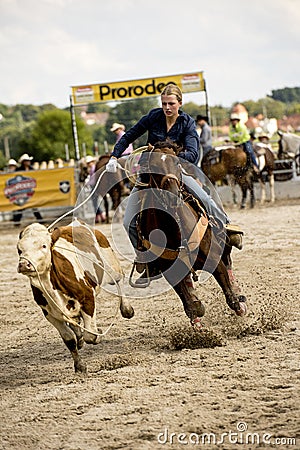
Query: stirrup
pixel 135 284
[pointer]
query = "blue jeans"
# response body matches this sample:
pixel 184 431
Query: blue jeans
pixel 247 146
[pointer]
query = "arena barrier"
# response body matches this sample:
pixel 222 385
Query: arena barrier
pixel 52 190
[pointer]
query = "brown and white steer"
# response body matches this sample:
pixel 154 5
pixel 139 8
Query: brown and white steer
pixel 65 268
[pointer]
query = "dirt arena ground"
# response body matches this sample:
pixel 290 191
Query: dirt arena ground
pixel 151 383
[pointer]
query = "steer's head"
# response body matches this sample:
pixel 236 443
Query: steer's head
pixel 34 249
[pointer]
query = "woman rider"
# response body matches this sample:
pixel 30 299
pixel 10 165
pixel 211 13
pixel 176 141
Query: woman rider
pixel 167 122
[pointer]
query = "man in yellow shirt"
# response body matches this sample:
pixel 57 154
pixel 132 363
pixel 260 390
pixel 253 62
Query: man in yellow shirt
pixel 239 134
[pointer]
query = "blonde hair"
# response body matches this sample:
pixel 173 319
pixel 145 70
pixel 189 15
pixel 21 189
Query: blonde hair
pixel 172 89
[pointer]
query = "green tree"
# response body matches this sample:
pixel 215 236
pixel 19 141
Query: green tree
pixel 98 107
pixel 286 95
pixel 128 113
pixel 266 106
pixel 193 110
pixel 46 139
pixel 99 134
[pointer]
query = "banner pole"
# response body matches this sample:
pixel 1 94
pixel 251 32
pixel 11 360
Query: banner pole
pixel 207 110
pixel 74 130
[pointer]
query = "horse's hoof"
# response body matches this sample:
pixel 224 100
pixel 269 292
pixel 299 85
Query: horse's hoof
pixel 80 367
pixel 196 323
pixel 242 311
pixel 127 313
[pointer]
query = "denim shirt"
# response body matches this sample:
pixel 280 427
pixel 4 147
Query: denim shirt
pixel 183 132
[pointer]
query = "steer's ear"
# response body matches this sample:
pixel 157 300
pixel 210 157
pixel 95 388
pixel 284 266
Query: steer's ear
pixel 55 235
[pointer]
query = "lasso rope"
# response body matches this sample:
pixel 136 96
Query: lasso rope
pixel 127 172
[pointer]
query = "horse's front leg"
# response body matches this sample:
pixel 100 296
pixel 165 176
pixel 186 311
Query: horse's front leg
pixel 262 190
pixel 193 307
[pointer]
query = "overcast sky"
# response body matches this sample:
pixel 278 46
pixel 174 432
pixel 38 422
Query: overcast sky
pixel 246 48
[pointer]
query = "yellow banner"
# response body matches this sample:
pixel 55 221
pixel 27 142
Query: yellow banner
pixel 123 90
pixel 37 188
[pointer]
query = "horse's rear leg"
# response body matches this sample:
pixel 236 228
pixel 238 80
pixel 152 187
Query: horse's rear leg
pixel 226 258
pixel 233 300
pixel 272 187
pixel 244 197
pixel 262 191
pixel 252 196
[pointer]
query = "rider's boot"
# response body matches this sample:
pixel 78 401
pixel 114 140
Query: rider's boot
pixel 234 236
pixel 255 169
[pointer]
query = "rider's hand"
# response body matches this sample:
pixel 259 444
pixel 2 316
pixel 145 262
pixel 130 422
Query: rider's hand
pixel 112 165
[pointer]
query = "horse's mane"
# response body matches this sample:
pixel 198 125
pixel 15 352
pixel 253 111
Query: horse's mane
pixel 168 143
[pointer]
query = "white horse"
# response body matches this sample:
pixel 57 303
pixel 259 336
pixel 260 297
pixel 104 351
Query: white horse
pixel 289 144
pixel 266 162
pixel 289 147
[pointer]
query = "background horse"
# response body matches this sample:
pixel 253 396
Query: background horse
pixel 111 184
pixel 266 160
pixel 218 163
pixel 289 147
pixel 174 231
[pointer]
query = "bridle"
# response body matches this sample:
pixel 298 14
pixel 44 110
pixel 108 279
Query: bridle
pixel 165 178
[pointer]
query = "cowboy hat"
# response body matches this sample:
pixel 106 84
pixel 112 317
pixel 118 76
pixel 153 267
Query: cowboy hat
pixel 235 117
pixel 116 126
pixel 25 157
pixel 89 159
pixel 12 162
pixel 200 117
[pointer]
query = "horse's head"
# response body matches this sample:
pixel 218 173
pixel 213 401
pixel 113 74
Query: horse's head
pixel 288 145
pixel 163 166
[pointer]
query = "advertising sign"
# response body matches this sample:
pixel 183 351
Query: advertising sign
pixel 37 188
pixel 124 90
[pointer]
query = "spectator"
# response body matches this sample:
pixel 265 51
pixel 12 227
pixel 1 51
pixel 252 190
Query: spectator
pixel 12 165
pixel 25 166
pixel 204 131
pixel 119 130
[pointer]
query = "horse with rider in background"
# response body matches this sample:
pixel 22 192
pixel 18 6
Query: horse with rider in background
pixel 230 162
pixel 111 186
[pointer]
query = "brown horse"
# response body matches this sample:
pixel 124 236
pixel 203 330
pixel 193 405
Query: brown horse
pixel 218 163
pixel 175 236
pixel 111 184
